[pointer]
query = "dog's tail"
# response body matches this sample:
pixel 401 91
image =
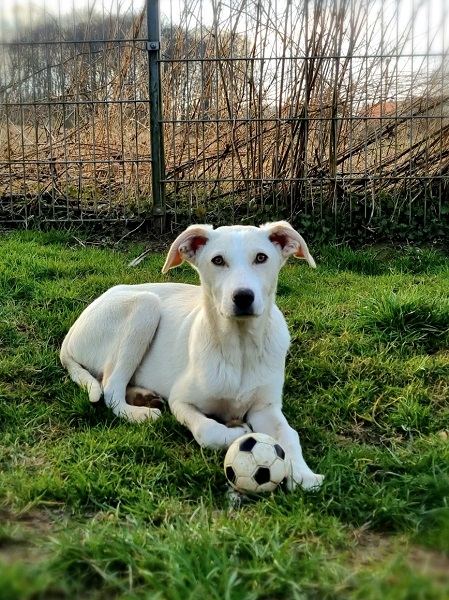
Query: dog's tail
pixel 78 373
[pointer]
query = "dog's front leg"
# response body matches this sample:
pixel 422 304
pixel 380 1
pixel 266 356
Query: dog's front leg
pixel 271 420
pixel 206 431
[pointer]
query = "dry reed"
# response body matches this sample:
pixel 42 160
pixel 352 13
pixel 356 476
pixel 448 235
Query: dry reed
pixel 294 112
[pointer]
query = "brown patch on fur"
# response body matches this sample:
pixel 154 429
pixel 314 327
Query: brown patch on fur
pixel 235 423
pixel 136 396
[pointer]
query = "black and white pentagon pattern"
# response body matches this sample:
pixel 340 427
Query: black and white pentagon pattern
pixel 255 463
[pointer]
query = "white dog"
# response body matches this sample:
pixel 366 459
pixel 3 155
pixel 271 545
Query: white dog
pixel 215 351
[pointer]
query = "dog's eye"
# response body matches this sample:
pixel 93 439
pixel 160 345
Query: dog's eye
pixel 261 258
pixel 218 261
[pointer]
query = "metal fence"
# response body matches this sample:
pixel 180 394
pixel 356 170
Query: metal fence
pixel 324 112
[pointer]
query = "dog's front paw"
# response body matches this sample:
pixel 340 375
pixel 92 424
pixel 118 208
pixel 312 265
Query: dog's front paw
pixel 240 425
pixel 217 436
pixel 305 479
pixel 311 481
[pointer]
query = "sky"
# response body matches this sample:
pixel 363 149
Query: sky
pixel 13 13
pixel 430 25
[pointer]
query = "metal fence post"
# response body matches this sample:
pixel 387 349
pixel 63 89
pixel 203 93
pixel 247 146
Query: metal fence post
pixel 155 96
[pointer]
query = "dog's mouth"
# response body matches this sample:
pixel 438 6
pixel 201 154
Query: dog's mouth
pixel 244 314
pixel 238 315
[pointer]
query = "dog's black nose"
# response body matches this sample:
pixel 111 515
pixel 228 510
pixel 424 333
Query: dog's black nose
pixel 243 299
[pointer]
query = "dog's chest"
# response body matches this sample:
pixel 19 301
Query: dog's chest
pixel 229 389
pixel 230 375
pixel 228 403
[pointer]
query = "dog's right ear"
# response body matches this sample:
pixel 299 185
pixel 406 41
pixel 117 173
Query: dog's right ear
pixel 186 246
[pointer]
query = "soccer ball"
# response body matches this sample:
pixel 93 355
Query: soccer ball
pixel 255 463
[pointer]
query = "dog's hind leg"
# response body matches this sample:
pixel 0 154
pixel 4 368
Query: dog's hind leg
pixel 138 396
pixel 139 318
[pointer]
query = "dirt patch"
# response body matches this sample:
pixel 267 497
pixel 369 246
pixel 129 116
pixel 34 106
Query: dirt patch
pixel 373 548
pixel 21 535
pixel 429 562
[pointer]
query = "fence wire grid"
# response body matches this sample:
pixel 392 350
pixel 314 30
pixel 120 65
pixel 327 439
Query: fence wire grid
pixel 309 110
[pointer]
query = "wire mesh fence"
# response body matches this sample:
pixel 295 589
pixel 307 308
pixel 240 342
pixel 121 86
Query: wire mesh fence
pixel 331 114
pixel 74 115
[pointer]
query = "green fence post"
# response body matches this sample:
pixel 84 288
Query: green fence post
pixel 155 96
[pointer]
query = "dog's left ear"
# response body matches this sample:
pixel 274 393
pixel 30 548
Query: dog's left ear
pixel 186 246
pixel 289 241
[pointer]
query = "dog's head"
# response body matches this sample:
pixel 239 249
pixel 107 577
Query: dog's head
pixel 238 265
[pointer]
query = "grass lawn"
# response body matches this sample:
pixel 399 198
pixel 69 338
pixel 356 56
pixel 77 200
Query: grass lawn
pixel 92 507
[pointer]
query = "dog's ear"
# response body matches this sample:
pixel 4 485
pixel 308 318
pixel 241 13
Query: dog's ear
pixel 289 241
pixel 187 245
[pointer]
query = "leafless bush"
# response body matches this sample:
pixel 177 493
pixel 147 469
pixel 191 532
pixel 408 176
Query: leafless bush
pixel 301 108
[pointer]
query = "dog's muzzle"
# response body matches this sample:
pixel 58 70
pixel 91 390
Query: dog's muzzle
pixel 243 302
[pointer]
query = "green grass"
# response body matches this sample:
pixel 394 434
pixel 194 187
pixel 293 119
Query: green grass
pixel 96 508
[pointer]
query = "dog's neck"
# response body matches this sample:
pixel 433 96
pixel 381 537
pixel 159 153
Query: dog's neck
pixel 230 331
